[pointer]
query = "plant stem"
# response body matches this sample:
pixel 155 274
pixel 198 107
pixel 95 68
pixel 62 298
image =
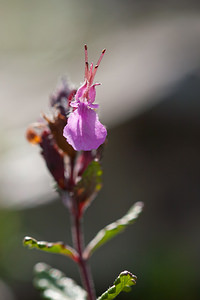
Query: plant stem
pixel 84 268
pixel 78 241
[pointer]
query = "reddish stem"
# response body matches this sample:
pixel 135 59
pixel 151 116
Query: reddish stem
pixel 78 243
pixel 83 263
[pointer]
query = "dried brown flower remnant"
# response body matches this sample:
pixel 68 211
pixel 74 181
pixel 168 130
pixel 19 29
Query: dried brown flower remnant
pixel 54 159
pixel 56 126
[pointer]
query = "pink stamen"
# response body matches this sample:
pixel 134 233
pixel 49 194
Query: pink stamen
pixel 97 65
pixel 86 62
pixel 90 75
pixel 83 91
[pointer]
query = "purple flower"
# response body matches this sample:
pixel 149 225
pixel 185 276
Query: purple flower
pixel 84 130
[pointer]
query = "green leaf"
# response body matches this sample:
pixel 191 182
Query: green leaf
pixel 55 286
pixel 57 247
pixel 122 283
pixel 89 185
pixel 113 229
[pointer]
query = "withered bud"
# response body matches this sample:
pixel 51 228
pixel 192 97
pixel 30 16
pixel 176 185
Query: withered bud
pixel 53 158
pixel 56 127
pixel 32 136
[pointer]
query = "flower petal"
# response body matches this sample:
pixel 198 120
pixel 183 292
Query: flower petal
pixel 92 92
pixel 94 106
pixel 74 104
pixel 80 91
pixel 84 130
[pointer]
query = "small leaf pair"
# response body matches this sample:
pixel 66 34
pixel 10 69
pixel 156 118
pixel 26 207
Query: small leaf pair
pixel 101 238
pixel 54 285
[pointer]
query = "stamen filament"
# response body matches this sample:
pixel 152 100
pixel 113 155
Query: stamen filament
pixel 90 75
pixel 97 65
pixel 86 62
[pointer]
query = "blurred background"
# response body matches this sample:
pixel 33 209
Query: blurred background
pixel 150 103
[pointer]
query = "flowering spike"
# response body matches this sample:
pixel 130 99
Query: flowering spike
pixel 84 130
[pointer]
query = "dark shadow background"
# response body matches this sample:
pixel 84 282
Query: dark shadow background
pixel 154 157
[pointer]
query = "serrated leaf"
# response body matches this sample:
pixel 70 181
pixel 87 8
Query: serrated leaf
pixel 122 283
pixel 55 286
pixel 89 185
pixel 113 229
pixel 57 247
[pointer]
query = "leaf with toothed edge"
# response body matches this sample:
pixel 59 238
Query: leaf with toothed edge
pixel 122 283
pixel 57 247
pixel 55 286
pixel 113 229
